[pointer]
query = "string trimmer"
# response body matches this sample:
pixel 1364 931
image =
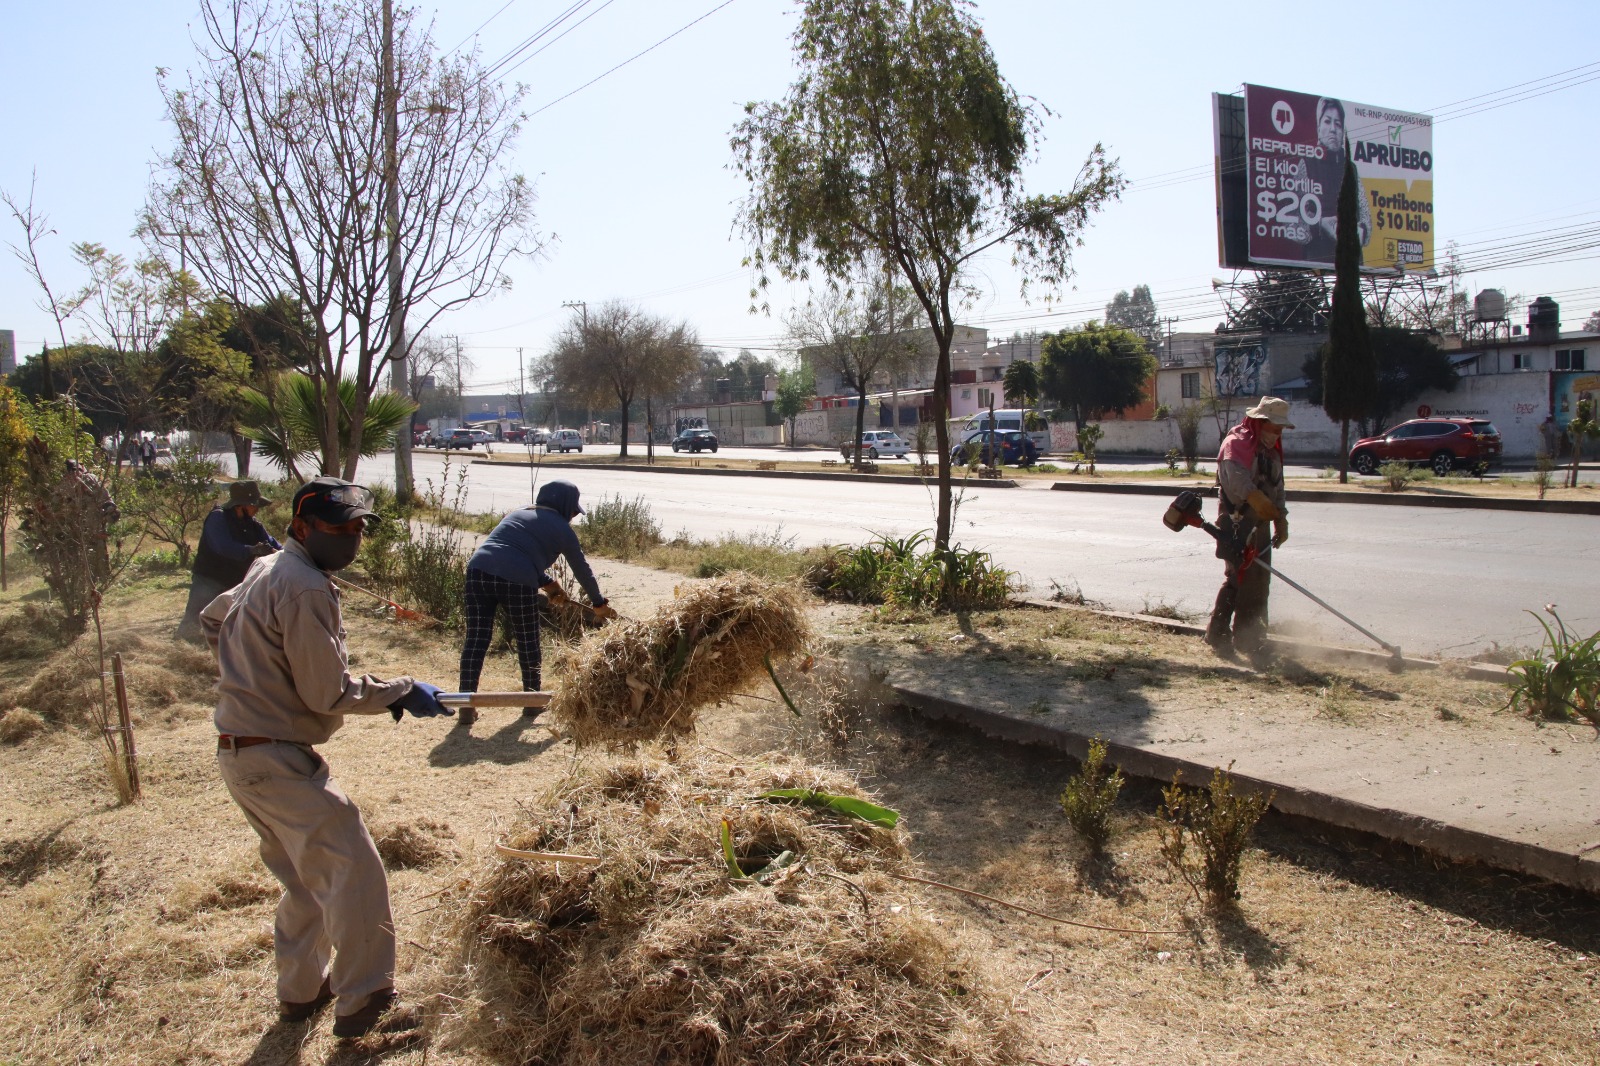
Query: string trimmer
pixel 1185 511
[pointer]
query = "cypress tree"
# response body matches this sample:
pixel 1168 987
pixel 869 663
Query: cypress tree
pixel 1349 371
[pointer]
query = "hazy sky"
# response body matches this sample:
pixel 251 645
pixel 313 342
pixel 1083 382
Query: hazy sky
pixel 633 172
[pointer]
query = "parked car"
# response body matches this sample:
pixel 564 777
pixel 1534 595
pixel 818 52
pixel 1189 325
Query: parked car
pixel 1441 443
pixel 876 443
pixel 468 438
pixel 694 440
pixel 996 449
pixel 564 440
pixel 516 434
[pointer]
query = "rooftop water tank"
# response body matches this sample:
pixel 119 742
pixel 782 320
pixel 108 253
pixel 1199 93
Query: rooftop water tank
pixel 1490 305
pixel 1544 320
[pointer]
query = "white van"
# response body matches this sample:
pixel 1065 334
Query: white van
pixel 1009 418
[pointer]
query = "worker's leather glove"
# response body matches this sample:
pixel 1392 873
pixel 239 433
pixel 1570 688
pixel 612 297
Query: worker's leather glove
pixel 422 701
pixel 1263 507
pixel 263 548
pixel 554 592
pixel 1280 531
pixel 605 612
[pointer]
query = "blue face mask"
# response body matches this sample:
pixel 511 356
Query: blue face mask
pixel 331 552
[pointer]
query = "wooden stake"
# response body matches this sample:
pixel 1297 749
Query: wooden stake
pixel 129 755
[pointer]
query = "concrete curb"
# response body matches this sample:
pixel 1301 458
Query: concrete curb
pixel 793 475
pixel 1441 838
pixel 1480 503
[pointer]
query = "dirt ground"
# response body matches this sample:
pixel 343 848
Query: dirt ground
pixel 141 934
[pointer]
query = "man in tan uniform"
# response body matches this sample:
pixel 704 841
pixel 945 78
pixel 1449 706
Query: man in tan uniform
pixel 284 687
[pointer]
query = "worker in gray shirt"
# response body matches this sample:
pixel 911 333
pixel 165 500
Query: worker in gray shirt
pixel 285 686
pixel 1253 517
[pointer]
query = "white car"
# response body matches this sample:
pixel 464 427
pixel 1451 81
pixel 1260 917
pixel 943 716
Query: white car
pixel 877 443
pixel 564 440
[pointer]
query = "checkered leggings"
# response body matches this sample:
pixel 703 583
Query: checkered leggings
pixel 486 592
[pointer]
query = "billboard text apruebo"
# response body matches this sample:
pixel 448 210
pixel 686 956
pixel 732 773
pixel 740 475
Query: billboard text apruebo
pixel 1293 159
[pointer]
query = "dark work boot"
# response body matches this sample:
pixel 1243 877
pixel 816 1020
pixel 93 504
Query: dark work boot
pixel 300 1012
pixel 466 716
pixel 384 1013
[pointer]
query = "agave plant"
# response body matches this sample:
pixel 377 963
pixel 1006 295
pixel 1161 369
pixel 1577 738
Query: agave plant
pixel 283 420
pixel 1562 681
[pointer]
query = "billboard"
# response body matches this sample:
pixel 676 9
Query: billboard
pixel 1280 169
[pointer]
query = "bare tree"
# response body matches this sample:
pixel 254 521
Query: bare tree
pixel 35 227
pixel 622 354
pixel 276 184
pixel 858 337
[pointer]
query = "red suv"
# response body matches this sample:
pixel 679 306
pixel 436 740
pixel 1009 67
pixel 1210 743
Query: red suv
pixel 1440 443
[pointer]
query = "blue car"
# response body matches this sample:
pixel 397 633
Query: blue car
pixel 1009 446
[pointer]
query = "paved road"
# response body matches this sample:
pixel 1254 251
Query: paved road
pixel 1433 580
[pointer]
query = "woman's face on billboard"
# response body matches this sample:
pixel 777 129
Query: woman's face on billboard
pixel 1330 129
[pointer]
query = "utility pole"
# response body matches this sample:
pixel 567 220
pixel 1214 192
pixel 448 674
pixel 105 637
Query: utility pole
pixel 584 307
pixel 461 389
pixel 399 382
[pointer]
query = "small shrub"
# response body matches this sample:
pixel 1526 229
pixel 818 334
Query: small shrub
pixel 1047 468
pixel 895 571
pixel 423 564
pixel 1544 473
pixel 1396 475
pixel 1218 822
pixel 1561 680
pixel 1162 411
pixel 1089 442
pixel 1090 797
pixel 619 528
pixel 1172 460
pixel 1329 473
pixel 1188 420
pixel 160 561
pixel 174 507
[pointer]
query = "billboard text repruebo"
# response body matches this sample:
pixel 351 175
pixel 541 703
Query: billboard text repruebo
pixel 1291 156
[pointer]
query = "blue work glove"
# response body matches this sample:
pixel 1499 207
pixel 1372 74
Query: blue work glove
pixel 422 701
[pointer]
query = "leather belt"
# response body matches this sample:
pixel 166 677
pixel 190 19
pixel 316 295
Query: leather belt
pixel 229 742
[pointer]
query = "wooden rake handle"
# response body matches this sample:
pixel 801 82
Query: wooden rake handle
pixel 494 699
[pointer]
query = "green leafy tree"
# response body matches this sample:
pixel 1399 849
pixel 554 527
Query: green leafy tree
pixel 1584 426
pixel 1409 363
pixel 1022 383
pixel 1349 370
pixel 1095 370
pixel 797 387
pixel 283 420
pixel 1136 312
pixel 901 141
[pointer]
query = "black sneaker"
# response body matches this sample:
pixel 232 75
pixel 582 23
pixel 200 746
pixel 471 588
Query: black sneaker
pixel 466 716
pixel 384 1013
pixel 301 1012
pixel 532 712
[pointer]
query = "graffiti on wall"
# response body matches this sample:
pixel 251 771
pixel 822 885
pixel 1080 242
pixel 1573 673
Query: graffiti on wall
pixel 1238 369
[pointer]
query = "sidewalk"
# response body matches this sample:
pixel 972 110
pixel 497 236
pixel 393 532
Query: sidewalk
pixel 1528 802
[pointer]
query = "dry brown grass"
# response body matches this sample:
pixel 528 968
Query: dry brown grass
pixel 657 956
pixel 637 681
pixel 140 935
pixel 18 724
pixel 417 845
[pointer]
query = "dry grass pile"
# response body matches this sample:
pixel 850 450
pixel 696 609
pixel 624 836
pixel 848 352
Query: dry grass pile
pixel 18 724
pixel 657 955
pixel 643 680
pixel 416 845
pixel 161 674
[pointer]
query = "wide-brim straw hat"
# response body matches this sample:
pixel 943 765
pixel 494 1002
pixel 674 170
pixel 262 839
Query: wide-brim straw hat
pixel 246 494
pixel 1273 410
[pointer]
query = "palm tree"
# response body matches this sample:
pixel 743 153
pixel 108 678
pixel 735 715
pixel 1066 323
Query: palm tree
pixel 283 420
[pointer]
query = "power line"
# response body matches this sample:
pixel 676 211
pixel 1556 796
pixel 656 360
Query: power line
pixel 631 58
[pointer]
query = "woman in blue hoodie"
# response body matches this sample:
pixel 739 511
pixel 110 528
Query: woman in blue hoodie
pixel 508 570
